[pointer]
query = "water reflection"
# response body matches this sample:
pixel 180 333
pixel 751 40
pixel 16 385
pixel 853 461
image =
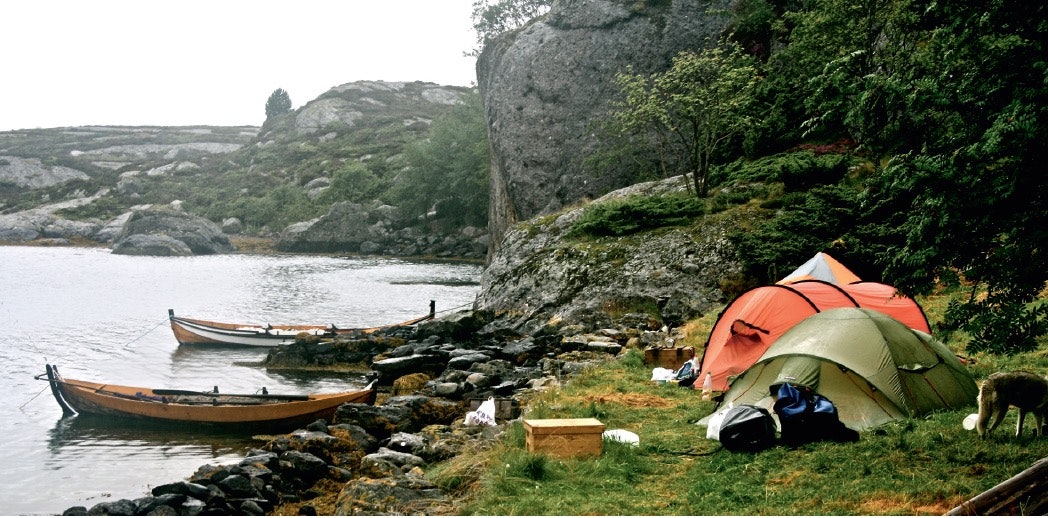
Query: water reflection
pixel 108 439
pixel 242 369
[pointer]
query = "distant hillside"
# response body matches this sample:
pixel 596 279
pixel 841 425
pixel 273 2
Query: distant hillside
pixel 348 145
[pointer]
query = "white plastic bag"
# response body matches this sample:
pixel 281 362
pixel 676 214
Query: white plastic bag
pixel 484 415
pixel 623 436
pixel 662 374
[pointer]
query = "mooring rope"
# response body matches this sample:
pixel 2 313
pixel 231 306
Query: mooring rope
pixel 455 308
pixel 141 336
pixel 22 406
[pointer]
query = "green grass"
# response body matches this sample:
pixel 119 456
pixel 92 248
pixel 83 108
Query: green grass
pixel 919 466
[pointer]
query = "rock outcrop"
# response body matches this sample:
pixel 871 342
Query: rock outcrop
pixel 168 232
pixel 545 85
pixel 541 273
pixel 376 229
pixel 34 174
pixel 348 103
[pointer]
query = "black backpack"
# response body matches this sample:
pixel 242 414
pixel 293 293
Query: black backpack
pixel 747 428
pixel 809 417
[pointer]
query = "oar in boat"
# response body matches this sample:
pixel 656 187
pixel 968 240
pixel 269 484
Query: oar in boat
pixel 215 393
pixel 263 395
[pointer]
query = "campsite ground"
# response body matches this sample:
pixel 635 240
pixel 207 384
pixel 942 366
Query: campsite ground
pixel 918 466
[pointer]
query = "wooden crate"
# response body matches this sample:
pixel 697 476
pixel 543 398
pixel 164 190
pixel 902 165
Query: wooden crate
pixel 669 358
pixel 565 437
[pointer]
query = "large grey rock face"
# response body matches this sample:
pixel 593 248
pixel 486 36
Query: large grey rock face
pixel 348 103
pixel 378 229
pixel 170 232
pixel 32 173
pixel 540 274
pixel 546 84
pixel 346 227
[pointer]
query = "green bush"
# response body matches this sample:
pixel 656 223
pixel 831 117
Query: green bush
pixel 798 170
pixel 103 208
pixel 626 216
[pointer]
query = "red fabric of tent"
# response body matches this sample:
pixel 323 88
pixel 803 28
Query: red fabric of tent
pixel 888 300
pixel 758 317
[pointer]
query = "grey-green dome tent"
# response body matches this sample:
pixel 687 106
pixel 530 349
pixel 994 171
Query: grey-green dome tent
pixel 872 367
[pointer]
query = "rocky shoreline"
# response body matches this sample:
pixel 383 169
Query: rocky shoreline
pixel 372 460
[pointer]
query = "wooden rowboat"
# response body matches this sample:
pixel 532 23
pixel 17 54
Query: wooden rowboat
pixel 191 331
pixel 258 411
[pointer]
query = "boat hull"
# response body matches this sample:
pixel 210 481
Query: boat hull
pixel 189 407
pixel 192 331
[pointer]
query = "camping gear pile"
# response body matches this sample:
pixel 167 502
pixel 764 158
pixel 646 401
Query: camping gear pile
pixel 831 355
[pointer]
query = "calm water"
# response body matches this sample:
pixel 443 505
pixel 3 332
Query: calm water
pixel 103 317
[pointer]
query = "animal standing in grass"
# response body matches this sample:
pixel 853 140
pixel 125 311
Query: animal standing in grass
pixel 1024 390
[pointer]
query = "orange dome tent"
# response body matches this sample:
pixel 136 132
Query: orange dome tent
pixel 758 317
pixel 824 268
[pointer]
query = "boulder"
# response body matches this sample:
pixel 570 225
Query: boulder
pixel 387 463
pixel 121 507
pixel 390 369
pixel 304 465
pixel 155 231
pixel 414 444
pixel 232 226
pixel 164 246
pixel 34 174
pixel 345 227
pixel 399 414
pixel 385 496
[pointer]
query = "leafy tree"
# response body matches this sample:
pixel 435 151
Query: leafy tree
pixel 448 171
pixel 279 103
pixel 692 109
pixel 955 193
pixel 494 17
pixel 966 192
pixel 351 182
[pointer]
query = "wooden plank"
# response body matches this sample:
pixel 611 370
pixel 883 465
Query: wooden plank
pixel 1024 493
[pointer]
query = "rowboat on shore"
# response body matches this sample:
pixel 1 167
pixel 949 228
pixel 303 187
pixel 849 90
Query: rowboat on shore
pixel 192 331
pixel 167 406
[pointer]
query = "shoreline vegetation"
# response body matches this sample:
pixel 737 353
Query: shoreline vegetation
pixel 252 245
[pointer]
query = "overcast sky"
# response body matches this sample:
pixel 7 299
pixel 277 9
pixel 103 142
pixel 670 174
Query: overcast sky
pixel 213 62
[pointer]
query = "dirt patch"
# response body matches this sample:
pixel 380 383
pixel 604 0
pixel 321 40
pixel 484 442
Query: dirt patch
pixel 787 479
pixel 899 505
pixel 632 400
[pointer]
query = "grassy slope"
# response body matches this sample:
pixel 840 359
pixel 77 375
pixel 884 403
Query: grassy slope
pixel 918 466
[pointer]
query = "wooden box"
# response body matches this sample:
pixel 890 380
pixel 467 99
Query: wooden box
pixel 565 437
pixel 669 358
